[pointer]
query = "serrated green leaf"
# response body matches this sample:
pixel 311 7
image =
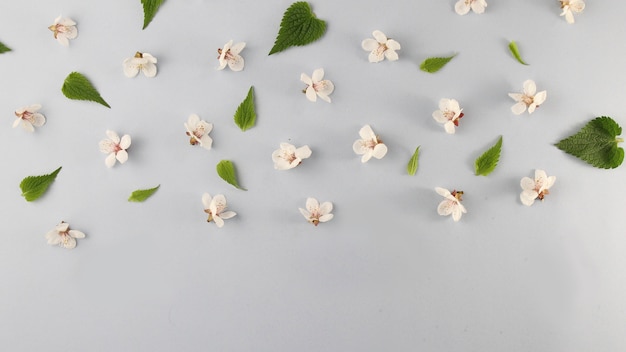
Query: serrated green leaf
pixel 596 143
pixel 411 168
pixel 298 27
pixel 34 187
pixel 78 87
pixel 150 8
pixel 515 51
pixel 141 195
pixel 226 170
pixel 488 161
pixel 434 64
pixel 245 116
pixel 4 48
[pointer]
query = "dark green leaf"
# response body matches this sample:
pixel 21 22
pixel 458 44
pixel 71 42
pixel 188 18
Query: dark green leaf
pixel 411 168
pixel 142 194
pixel 298 27
pixel 488 161
pixel 78 87
pixel 226 170
pixel 515 52
pixel 434 64
pixel 4 48
pixel 34 187
pixel 245 116
pixel 150 8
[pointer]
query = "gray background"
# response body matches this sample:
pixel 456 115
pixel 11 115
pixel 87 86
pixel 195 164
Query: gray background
pixel 387 273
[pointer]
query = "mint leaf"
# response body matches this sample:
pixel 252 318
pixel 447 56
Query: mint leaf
pixel 488 161
pixel 226 170
pixel 78 87
pixel 411 168
pixel 4 48
pixel 245 116
pixel 142 194
pixel 150 8
pixel 434 64
pixel 298 27
pixel 596 143
pixel 34 187
pixel 515 51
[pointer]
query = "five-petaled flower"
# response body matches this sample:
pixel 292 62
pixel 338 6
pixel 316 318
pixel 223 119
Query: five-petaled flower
pixel 381 47
pixel 288 156
pixel 316 86
pixel 448 114
pixel 115 147
pixel 528 99
pixel 229 55
pixel 63 236
pixel 64 29
pixel 316 212
pixel 198 131
pixel 216 208
pixel 369 145
pixel 537 188
pixel 462 7
pixel 143 62
pixel 29 117
pixel 451 204
pixel 571 6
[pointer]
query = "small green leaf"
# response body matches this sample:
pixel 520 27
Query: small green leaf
pixel 78 87
pixel 434 64
pixel 298 27
pixel 411 168
pixel 226 170
pixel 488 161
pixel 150 8
pixel 34 187
pixel 515 52
pixel 4 48
pixel 245 116
pixel 596 143
pixel 142 194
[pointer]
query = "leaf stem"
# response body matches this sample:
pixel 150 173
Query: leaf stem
pixel 619 140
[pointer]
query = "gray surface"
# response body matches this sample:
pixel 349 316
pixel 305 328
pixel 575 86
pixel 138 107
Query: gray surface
pixel 387 273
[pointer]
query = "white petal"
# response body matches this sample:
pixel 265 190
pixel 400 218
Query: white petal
pixel 318 75
pixel 569 16
pixel 456 212
pixel 311 94
pixel 121 156
pixel 125 142
pixel 192 121
pixel 34 108
pixel 376 56
pixel 453 105
pixel 379 36
pixel 303 152
pixel 439 117
pixel 478 7
pixel 280 163
pixel 527 184
pixel 61 38
pixel 529 87
pixel 312 205
pixel 443 192
pixel 106 146
pixel 359 147
pixel 518 108
pixel 305 213
pixel 540 177
pixel 218 204
pixel 218 221
pixel 28 126
pixel 461 7
pixel 380 150
pixel 540 97
pixel 149 57
pixel 149 69
pixel 393 45
pixel 445 207
pixel 325 87
pixel 16 122
pixel 38 119
pixel 549 182
pixel 326 208
pixel 130 69
pixel 449 127
pixel 325 218
pixel 113 136
pixel 367 133
pixel 324 97
pixel 528 197
pixel 237 48
pixel 110 160
pixel 76 234
pixel 236 63
pixel 71 33
pixel 69 242
pixel 369 44
pixel 53 237
pixel 516 96
pixel 227 215
pixel 206 142
pixel 391 55
pixel 306 79
pixel 367 156
pixel 206 200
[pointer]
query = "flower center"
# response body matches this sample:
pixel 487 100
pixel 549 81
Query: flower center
pixel 457 194
pixel 527 99
pixel 319 85
pixel 381 49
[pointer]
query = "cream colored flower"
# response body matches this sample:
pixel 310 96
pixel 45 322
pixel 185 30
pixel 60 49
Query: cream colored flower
pixel 381 47
pixel 62 236
pixel 29 117
pixel 316 213
pixel 64 29
pixel 143 62
pixel 229 55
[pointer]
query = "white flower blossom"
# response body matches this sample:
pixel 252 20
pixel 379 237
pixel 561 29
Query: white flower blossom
pixel 288 156
pixel 537 188
pixel 29 117
pixel 571 6
pixel 115 147
pixel 381 47
pixel 369 145
pixel 316 86
pixel 229 55
pixel 451 204
pixel 216 208
pixel 143 62
pixel 528 99
pixel 448 114
pixel 62 236
pixel 64 29
pixel 316 213
pixel 198 131
pixel 462 7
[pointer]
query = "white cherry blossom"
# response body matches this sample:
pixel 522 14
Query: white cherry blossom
pixel 537 188
pixel 216 208
pixel 570 7
pixel 143 62
pixel 316 212
pixel 462 7
pixel 229 55
pixel 529 98
pixel 288 156
pixel 451 204
pixel 198 131
pixel 62 236
pixel 115 148
pixel 316 86
pixel 64 29
pixel 369 145
pixel 448 114
pixel 381 47
pixel 29 117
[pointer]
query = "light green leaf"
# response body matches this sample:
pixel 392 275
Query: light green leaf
pixel 34 187
pixel 78 87
pixel 434 64
pixel 515 52
pixel 142 194
pixel 411 168
pixel 245 116
pixel 596 143
pixel 226 170
pixel 298 27
pixel 488 161
pixel 4 48
pixel 150 8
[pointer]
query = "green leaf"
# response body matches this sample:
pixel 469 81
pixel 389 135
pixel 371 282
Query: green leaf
pixel 488 161
pixel 142 194
pixel 226 170
pixel 34 187
pixel 411 168
pixel 78 87
pixel 150 8
pixel 596 143
pixel 298 27
pixel 515 52
pixel 434 64
pixel 245 116
pixel 4 48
